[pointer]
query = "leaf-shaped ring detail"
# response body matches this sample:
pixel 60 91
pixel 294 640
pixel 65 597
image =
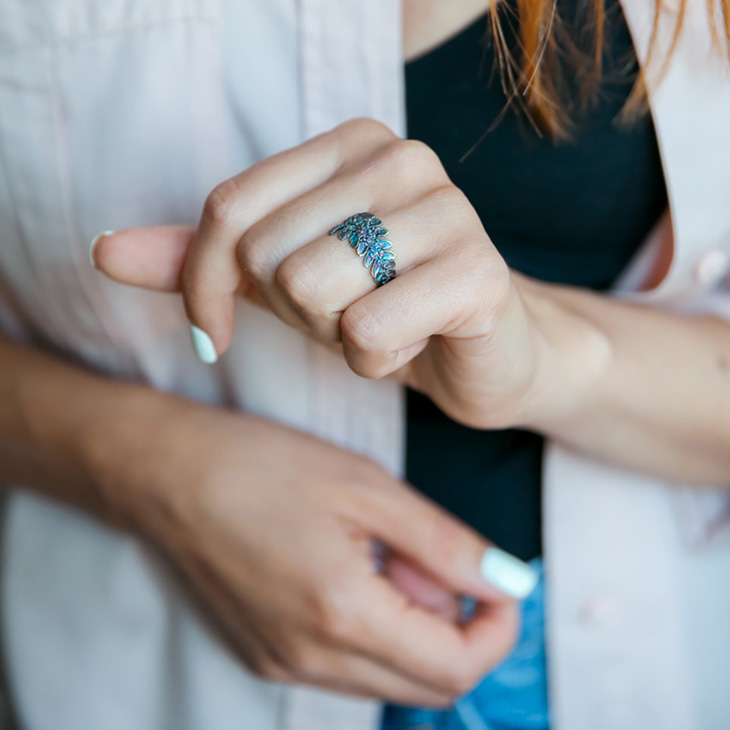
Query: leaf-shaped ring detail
pixel 367 237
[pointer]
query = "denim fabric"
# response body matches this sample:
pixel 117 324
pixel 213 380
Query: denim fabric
pixel 512 697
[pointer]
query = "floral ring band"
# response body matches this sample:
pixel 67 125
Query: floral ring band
pixel 367 236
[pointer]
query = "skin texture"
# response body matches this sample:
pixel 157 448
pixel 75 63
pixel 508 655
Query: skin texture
pixel 175 473
pixel 427 23
pixel 285 573
pixel 621 382
pixel 307 604
pixel 632 386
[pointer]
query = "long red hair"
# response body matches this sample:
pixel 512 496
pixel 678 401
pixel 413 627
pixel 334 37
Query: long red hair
pixel 533 73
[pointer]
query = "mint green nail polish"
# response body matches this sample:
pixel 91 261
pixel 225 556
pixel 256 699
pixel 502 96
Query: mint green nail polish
pixel 203 345
pixel 508 573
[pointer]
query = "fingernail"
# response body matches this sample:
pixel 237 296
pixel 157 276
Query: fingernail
pixel 96 240
pixel 508 573
pixel 203 345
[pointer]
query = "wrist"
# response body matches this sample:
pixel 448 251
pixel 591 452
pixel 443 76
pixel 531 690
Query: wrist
pixel 154 458
pixel 120 448
pixel 573 356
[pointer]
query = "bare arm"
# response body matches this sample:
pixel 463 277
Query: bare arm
pixel 631 385
pixel 285 571
pixel 493 349
pixel 50 421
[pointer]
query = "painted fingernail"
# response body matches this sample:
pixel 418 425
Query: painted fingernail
pixel 96 240
pixel 203 345
pixel 508 573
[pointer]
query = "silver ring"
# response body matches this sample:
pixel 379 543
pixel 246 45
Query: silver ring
pixel 367 237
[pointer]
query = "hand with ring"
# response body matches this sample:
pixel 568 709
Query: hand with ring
pixel 293 231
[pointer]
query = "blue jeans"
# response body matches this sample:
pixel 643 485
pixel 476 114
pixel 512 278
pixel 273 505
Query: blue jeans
pixel 512 697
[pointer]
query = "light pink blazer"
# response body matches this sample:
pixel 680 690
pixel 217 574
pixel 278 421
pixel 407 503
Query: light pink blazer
pixel 127 112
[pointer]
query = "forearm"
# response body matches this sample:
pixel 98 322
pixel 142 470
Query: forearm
pixel 633 386
pixel 58 423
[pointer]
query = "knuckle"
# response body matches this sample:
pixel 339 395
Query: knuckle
pixel 221 205
pixel 333 615
pixel 370 473
pixel 375 497
pixel 491 265
pixel 491 278
pixel 300 283
pixel 371 369
pixel 254 255
pixel 413 158
pixel 332 622
pixel 405 165
pixel 449 201
pixel 361 328
pixel 365 127
pixel 368 486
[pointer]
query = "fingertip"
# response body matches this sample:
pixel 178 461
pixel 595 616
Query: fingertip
pixel 94 243
pixel 203 345
pixel 150 258
pixel 490 635
pixel 211 328
pixel 507 573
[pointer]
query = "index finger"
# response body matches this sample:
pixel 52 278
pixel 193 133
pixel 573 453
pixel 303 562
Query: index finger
pixel 211 273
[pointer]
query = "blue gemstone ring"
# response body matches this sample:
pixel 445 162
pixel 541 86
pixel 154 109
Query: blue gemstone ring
pixel 367 236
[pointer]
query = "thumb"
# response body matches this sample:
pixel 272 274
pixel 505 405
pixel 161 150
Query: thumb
pixel 151 258
pixel 445 548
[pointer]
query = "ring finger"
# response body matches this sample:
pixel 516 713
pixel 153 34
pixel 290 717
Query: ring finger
pixel 317 280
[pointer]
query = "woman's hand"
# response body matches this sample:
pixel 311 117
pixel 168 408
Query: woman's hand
pixel 628 384
pixel 274 530
pixel 452 324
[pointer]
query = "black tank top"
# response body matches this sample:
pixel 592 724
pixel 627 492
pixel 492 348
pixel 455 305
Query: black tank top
pixel 564 212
